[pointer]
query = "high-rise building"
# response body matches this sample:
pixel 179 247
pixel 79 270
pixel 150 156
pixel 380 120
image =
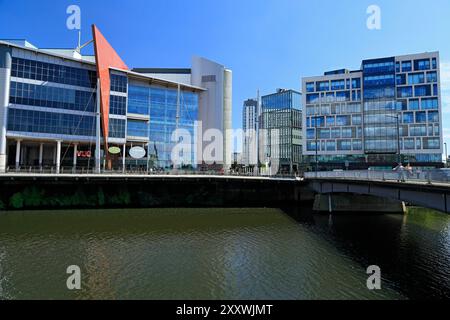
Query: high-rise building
pixel 250 127
pixel 281 130
pixel 60 109
pixel 386 112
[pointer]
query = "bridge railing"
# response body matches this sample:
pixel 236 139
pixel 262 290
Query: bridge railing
pixel 32 170
pixel 419 176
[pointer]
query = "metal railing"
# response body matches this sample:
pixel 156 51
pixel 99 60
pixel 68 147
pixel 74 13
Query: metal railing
pixel 417 175
pixel 32 170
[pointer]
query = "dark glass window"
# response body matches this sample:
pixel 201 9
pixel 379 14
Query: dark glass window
pixel 420 91
pixel 118 83
pixel 43 71
pixel 20 120
pixel 52 97
pixel 401 79
pixel 404 92
pixel 137 128
pixel 117 128
pixel 406 66
pixel 422 64
pixel 118 105
pixel 310 87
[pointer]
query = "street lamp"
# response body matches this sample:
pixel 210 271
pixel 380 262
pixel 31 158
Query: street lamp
pixel 446 155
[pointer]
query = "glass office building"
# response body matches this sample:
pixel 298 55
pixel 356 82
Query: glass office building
pixel 51 117
pixel 281 122
pixel 388 110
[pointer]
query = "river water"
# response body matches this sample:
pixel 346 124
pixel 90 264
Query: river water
pixel 223 254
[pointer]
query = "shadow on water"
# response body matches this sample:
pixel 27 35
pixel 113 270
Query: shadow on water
pixel 413 251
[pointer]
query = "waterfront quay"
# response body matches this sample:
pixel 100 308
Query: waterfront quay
pixel 53 191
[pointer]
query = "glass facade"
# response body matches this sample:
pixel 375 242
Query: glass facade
pixel 20 120
pixel 49 72
pixel 49 96
pixel 161 105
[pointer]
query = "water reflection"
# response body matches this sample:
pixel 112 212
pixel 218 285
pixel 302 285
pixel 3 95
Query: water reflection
pixel 222 254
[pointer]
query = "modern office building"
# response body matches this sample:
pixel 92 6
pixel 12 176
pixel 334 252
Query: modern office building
pixel 281 127
pixel 250 129
pixel 61 109
pixel 387 111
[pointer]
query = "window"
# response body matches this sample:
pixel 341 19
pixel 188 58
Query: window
pixel 357 145
pixel 414 104
pixel 312 98
pixel 311 146
pixel 379 80
pixel 418 130
pixel 335 133
pixel 310 87
pixel 432 77
pixel 118 105
pixel 423 64
pixel 117 128
pixel 433 116
pixel 404 92
pixel 343 96
pixel 409 144
pixel 356 83
pixel 431 143
pixel 356 120
pixel 434 63
pixel 324 133
pixel 400 79
pixel 330 121
pixel 430 103
pixel 322 86
pixel 420 91
pixel 344 145
pixel 338 85
pixel 421 117
pixel 416 78
pixel 401 105
pixel 311 134
pixel 48 72
pixel 52 97
pixel 331 145
pixel 406 66
pixel 137 128
pixel 118 83
pixel 342 120
pixel 20 120
pixel 408 117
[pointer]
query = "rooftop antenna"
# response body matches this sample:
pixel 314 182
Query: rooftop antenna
pixel 80 46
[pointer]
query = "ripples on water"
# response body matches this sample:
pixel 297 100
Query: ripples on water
pixel 222 254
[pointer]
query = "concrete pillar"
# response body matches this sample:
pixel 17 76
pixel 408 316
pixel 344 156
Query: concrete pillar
pixel 75 150
pixel 5 79
pixel 18 153
pixel 58 156
pixel 227 118
pixel 41 154
pixel 124 156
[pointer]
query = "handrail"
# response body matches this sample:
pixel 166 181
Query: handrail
pixel 429 176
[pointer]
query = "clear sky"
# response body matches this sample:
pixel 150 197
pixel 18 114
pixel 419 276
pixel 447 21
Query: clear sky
pixel 268 44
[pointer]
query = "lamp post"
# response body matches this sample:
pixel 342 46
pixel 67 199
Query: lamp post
pixel 317 145
pixel 446 155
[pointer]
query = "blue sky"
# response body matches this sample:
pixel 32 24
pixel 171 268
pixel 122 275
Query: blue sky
pixel 268 44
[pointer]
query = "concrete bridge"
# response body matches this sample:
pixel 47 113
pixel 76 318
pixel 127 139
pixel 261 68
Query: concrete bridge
pixel 429 189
